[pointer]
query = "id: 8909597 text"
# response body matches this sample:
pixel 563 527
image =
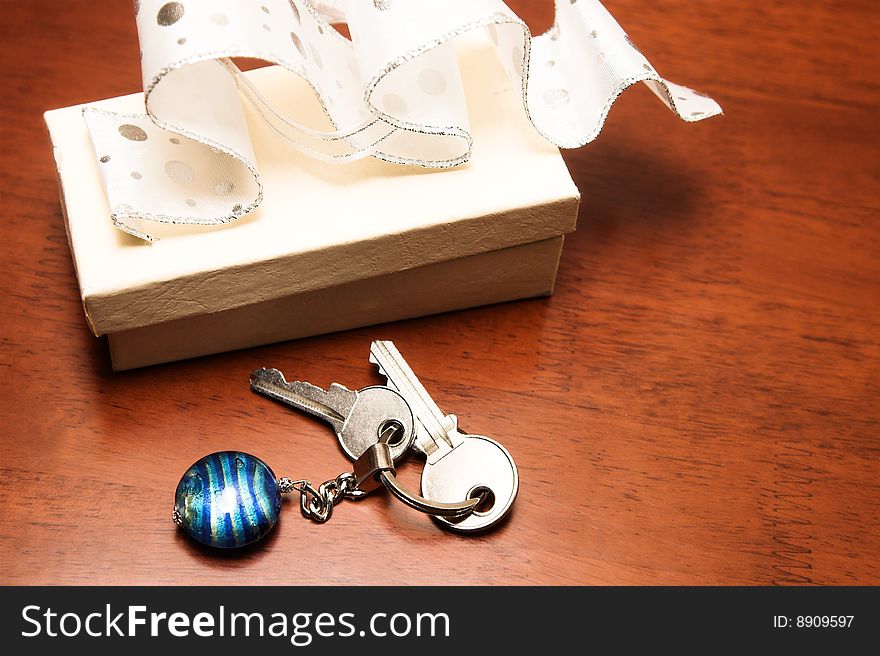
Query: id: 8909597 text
pixel 813 621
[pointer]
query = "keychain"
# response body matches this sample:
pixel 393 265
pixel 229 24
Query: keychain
pixel 469 482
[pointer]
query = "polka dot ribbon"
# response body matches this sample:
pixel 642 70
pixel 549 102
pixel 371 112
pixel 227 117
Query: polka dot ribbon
pixel 393 92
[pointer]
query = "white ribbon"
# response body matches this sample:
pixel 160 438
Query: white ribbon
pixel 393 92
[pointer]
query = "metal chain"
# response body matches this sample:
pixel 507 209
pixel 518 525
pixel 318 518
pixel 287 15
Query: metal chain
pixel 317 504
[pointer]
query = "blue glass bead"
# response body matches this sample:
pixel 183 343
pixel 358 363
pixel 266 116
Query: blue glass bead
pixel 227 499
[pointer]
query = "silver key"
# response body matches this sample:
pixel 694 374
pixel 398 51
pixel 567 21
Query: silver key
pixel 359 418
pixel 458 466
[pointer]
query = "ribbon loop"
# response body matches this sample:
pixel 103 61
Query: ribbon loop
pixel 393 91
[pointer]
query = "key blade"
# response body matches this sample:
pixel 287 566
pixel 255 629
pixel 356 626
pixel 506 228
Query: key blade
pixel 401 377
pixel 332 406
pixel 440 431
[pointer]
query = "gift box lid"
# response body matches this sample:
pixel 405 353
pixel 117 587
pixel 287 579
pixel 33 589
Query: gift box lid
pixel 320 224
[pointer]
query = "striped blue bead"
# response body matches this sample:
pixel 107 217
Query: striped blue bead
pixel 227 499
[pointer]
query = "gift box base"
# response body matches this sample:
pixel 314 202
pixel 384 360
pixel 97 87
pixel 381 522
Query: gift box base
pixel 503 275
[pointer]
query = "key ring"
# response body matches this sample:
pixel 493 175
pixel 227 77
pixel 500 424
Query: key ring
pixel 376 466
pixel 420 503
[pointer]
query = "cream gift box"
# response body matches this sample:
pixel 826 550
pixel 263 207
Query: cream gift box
pixel 333 246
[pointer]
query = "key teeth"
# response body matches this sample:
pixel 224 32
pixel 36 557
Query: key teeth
pixel 271 376
pixel 332 406
pixel 340 398
pixel 267 373
pixel 452 423
pixel 378 344
pixel 379 367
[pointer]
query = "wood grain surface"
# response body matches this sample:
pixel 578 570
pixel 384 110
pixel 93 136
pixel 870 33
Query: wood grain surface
pixel 697 403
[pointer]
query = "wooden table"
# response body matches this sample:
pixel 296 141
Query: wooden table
pixel 697 403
